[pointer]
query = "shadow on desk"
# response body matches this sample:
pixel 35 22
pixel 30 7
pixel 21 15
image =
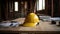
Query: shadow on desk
pixel 29 32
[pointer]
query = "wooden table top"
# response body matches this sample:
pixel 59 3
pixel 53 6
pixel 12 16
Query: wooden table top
pixel 43 26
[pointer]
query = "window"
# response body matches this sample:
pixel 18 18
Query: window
pixel 40 5
pixel 16 6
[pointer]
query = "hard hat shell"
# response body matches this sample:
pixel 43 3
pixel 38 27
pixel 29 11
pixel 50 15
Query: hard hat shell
pixel 31 20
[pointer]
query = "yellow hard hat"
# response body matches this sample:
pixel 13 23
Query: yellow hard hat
pixel 31 20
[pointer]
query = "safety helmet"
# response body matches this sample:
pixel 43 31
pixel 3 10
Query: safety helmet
pixel 31 20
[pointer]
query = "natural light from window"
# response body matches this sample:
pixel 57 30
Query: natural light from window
pixel 40 4
pixel 16 6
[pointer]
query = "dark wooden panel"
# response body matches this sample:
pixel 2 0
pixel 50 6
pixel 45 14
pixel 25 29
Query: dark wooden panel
pixel 56 7
pixel 49 7
pixel 53 8
pixel 7 8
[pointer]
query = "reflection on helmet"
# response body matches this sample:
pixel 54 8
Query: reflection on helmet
pixel 31 20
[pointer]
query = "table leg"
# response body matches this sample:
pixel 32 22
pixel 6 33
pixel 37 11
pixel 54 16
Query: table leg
pixel 53 22
pixel 59 23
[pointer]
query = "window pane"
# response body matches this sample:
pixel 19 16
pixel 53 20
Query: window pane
pixel 16 6
pixel 43 4
pixel 40 4
pixel 37 4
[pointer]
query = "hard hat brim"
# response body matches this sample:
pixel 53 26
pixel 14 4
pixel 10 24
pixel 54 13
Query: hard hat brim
pixel 30 24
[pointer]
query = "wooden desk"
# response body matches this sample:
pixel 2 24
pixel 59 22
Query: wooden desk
pixel 43 27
